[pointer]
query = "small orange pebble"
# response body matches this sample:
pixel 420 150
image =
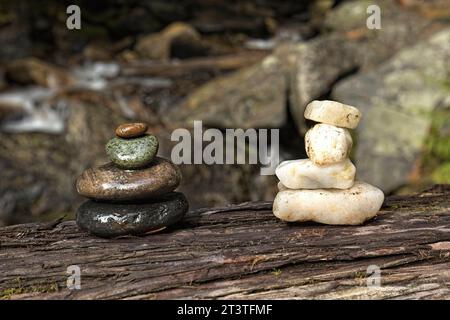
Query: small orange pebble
pixel 131 130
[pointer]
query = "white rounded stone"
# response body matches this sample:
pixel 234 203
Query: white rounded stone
pixel 282 187
pixel 334 113
pixel 305 174
pixel 329 206
pixel 326 144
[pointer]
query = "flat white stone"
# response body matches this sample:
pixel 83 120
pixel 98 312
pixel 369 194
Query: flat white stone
pixel 326 144
pixel 329 206
pixel 334 113
pixel 305 174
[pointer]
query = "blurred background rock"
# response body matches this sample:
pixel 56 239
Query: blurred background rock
pixel 232 64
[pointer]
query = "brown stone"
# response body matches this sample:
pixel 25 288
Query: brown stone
pixel 110 183
pixel 177 40
pixel 131 130
pixel 34 71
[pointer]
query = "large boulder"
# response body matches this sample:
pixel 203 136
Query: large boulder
pixel 348 47
pixel 398 100
pixel 178 40
pixel 35 71
pixel 252 97
pixel 316 66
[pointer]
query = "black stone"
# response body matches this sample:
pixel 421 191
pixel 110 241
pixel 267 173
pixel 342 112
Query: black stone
pixel 109 220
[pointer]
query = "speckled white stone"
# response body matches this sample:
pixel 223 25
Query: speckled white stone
pixel 282 187
pixel 329 206
pixel 305 174
pixel 326 144
pixel 334 113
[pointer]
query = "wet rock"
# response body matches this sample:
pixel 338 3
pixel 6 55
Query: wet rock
pixel 108 182
pixel 35 71
pixel 398 100
pixel 113 219
pixel 132 153
pixel 178 40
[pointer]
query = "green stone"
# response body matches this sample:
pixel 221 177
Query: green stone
pixel 132 153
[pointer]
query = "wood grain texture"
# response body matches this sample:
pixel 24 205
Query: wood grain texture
pixel 240 252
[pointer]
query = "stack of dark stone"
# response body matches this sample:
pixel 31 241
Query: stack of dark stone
pixel 133 194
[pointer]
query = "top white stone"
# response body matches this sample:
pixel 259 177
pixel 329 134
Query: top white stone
pixel 334 113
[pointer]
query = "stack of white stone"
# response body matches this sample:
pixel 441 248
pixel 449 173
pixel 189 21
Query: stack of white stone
pixel 323 188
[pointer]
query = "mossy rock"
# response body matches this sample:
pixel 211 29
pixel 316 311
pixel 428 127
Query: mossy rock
pixel 438 142
pixel 442 174
pixel 348 15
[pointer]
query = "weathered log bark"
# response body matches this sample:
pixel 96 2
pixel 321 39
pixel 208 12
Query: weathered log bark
pixel 240 252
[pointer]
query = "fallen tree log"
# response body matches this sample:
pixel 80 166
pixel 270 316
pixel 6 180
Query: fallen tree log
pixel 241 252
pixel 172 69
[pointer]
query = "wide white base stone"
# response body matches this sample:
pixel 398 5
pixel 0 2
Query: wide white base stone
pixel 329 206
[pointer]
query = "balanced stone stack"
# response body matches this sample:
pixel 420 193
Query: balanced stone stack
pixel 133 194
pixel 323 188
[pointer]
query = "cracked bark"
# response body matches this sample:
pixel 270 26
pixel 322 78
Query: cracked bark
pixel 240 252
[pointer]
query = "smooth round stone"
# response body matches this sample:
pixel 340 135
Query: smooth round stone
pixel 334 113
pixel 110 183
pixel 329 206
pixel 282 187
pixel 131 130
pixel 305 174
pixel 112 220
pixel 132 153
pixel 327 144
